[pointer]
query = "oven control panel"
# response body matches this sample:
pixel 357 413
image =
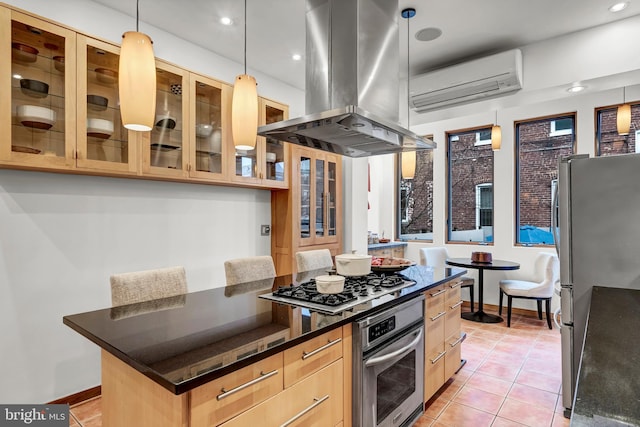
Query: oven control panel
pixel 380 329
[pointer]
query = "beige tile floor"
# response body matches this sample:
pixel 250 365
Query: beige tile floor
pixel 512 378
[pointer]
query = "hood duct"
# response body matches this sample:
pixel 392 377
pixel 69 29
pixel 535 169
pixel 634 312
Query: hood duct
pixel 352 82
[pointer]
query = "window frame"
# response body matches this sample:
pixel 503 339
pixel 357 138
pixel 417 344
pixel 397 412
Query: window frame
pixel 400 216
pixel 517 175
pixel 452 136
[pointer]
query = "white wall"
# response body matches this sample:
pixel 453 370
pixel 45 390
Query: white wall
pixel 61 236
pixel 588 57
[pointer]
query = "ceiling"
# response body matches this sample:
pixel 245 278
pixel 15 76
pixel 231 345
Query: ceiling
pixel 276 28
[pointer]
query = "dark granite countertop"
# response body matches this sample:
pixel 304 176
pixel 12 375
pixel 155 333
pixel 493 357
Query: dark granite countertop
pixel 188 340
pixel 608 389
pixel 386 245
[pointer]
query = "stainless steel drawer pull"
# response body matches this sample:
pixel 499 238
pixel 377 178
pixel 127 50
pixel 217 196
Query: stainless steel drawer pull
pixel 437 316
pixel 305 410
pixel 438 357
pixel 262 377
pixel 455 285
pixel 456 305
pixel 306 355
pixel 456 342
pixel 438 293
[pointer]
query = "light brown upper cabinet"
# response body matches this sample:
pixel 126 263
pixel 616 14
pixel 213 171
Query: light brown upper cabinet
pixel 210 115
pixel 266 164
pixel 62 114
pixel 37 80
pixel 104 144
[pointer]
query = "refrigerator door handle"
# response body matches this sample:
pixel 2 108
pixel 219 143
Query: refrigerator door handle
pixel 566 297
pixel 557 315
pixel 554 220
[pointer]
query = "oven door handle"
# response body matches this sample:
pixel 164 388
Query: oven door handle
pixel 397 354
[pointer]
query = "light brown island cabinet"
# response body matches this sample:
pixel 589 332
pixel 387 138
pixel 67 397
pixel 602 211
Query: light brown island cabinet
pixel 308 215
pixel 306 385
pixel 442 335
pixel 38 83
pixel 266 164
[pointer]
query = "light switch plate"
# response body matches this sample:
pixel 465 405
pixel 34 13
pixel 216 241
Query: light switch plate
pixel 265 230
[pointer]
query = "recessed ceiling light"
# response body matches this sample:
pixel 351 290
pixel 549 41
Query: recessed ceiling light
pixel 428 34
pixel 576 89
pixel 296 57
pixel 619 6
pixel 17 76
pixel 225 20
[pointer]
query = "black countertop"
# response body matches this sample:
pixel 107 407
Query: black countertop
pixel 188 340
pixel 608 389
pixel 392 244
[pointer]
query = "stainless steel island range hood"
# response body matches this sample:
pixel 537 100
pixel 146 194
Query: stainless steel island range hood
pixel 352 82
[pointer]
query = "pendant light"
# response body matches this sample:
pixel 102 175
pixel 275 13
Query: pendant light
pixel 137 79
pixel 623 117
pixel 408 157
pixel 244 106
pixel 496 135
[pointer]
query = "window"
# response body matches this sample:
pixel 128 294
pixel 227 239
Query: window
pixel 470 186
pixel 537 152
pixel 561 127
pixel 415 204
pixel 483 137
pixel 608 141
pixel 484 205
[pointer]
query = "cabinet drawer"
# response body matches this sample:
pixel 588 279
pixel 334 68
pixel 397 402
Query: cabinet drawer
pixel 313 402
pixel 452 322
pixel 397 252
pixel 453 293
pixel 433 371
pixel 312 355
pixel 225 397
pixel 453 347
pixel 434 301
pixel 433 334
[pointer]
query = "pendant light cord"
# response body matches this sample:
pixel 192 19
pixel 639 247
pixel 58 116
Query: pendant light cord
pixel 245 36
pixel 137 15
pixel 408 91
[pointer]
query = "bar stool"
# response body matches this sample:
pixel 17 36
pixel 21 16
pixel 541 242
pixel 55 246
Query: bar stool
pixel 139 286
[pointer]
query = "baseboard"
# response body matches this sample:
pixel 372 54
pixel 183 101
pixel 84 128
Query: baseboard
pixel 79 397
pixel 494 307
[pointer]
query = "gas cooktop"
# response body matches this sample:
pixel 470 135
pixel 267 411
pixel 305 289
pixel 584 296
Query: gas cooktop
pixel 357 290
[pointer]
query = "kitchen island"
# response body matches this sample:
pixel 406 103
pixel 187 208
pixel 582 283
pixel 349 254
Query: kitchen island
pixel 168 362
pixel 609 380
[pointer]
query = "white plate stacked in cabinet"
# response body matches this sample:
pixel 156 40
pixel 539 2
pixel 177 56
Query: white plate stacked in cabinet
pixel 442 335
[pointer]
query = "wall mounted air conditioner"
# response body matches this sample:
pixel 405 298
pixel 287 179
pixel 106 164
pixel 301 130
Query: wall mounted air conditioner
pixel 483 78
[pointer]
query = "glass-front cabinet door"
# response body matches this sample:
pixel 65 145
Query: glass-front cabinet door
pixel 318 193
pixel 266 164
pixel 103 142
pixel 209 130
pixel 276 156
pixel 37 77
pixel 165 147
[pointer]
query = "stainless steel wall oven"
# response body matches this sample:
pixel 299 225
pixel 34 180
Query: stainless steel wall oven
pixel 388 372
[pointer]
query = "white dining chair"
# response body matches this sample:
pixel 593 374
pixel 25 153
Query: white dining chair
pixel 316 259
pixel 540 287
pixel 139 286
pixel 244 270
pixel 436 257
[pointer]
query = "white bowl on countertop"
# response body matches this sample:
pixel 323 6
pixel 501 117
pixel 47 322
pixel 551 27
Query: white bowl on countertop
pixel 330 284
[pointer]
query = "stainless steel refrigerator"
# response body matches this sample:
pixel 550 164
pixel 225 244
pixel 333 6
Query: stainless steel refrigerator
pixel 598 217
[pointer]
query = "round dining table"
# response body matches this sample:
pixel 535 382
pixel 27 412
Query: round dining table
pixel 496 264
